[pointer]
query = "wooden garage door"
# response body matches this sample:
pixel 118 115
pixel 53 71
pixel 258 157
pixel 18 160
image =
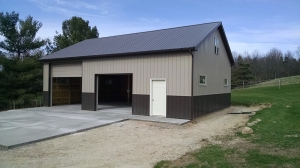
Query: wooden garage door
pixel 67 70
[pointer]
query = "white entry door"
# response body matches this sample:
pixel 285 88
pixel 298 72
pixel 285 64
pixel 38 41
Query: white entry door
pixel 159 97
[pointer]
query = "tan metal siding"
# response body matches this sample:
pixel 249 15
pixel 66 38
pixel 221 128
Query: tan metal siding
pixel 175 67
pixel 67 70
pixel 216 67
pixel 46 77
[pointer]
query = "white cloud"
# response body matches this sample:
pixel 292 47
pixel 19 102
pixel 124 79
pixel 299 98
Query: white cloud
pixel 75 4
pixel 284 37
pixel 75 7
pixel 285 34
pixel 241 47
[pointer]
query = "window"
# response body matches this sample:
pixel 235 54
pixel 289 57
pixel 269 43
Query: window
pixel 225 82
pixel 216 46
pixel 202 80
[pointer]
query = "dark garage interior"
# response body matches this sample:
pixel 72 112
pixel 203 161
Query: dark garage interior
pixel 115 89
pixel 66 90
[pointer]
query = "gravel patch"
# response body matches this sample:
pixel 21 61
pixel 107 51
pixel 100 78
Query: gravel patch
pixel 126 144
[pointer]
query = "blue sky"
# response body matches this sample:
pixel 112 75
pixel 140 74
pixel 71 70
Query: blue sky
pixel 249 24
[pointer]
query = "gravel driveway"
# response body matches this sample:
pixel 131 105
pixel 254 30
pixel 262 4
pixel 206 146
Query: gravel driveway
pixel 125 144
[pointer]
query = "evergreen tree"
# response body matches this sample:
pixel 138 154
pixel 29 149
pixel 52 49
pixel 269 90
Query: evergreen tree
pixel 20 69
pixel 74 30
pixel 20 35
pixel 242 74
pixel 21 81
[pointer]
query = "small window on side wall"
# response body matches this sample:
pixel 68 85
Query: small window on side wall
pixel 225 82
pixel 216 46
pixel 202 80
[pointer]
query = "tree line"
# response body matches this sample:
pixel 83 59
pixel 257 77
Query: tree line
pixel 21 73
pixel 258 66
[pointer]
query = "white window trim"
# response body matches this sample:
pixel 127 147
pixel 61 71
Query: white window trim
pixel 226 85
pixel 201 84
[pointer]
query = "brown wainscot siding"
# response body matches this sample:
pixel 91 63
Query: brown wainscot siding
pixel 209 103
pixel 179 107
pixel 140 104
pixel 88 101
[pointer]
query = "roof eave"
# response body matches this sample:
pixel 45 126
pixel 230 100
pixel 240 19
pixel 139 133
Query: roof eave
pixel 226 44
pixel 118 54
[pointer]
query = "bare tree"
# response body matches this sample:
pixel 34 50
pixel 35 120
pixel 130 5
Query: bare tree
pixel 271 65
pixel 298 52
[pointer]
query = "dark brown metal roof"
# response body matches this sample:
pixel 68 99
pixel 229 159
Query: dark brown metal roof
pixel 172 39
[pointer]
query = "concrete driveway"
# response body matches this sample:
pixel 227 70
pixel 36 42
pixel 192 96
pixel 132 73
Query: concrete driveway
pixel 23 126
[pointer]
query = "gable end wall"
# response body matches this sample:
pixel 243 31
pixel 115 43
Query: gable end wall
pixel 214 95
pixel 215 67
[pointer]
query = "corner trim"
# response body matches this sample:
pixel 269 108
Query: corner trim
pixel 192 82
pixel 50 86
pixel 96 92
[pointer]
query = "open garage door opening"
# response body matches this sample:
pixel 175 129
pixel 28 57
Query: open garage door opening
pixel 114 90
pixel 66 90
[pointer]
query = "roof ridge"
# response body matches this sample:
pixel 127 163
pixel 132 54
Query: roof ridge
pixel 155 30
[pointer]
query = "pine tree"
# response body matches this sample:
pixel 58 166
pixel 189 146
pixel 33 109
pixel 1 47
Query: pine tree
pixel 20 69
pixel 242 74
pixel 20 35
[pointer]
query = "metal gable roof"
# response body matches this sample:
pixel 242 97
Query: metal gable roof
pixel 172 39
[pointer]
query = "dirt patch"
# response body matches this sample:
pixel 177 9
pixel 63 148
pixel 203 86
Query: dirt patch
pixel 243 145
pixel 127 144
pixel 183 160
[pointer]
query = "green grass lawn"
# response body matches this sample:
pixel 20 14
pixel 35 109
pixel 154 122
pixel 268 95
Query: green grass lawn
pixel 281 122
pixel 275 141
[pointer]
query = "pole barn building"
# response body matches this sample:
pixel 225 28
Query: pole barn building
pixel 181 72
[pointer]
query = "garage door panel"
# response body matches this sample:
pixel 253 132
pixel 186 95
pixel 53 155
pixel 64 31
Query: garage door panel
pixel 67 70
pixel 67 91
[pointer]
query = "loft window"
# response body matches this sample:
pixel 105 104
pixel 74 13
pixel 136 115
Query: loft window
pixel 225 82
pixel 202 80
pixel 216 46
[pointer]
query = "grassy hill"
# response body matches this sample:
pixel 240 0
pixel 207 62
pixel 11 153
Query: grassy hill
pixel 284 81
pixel 275 141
